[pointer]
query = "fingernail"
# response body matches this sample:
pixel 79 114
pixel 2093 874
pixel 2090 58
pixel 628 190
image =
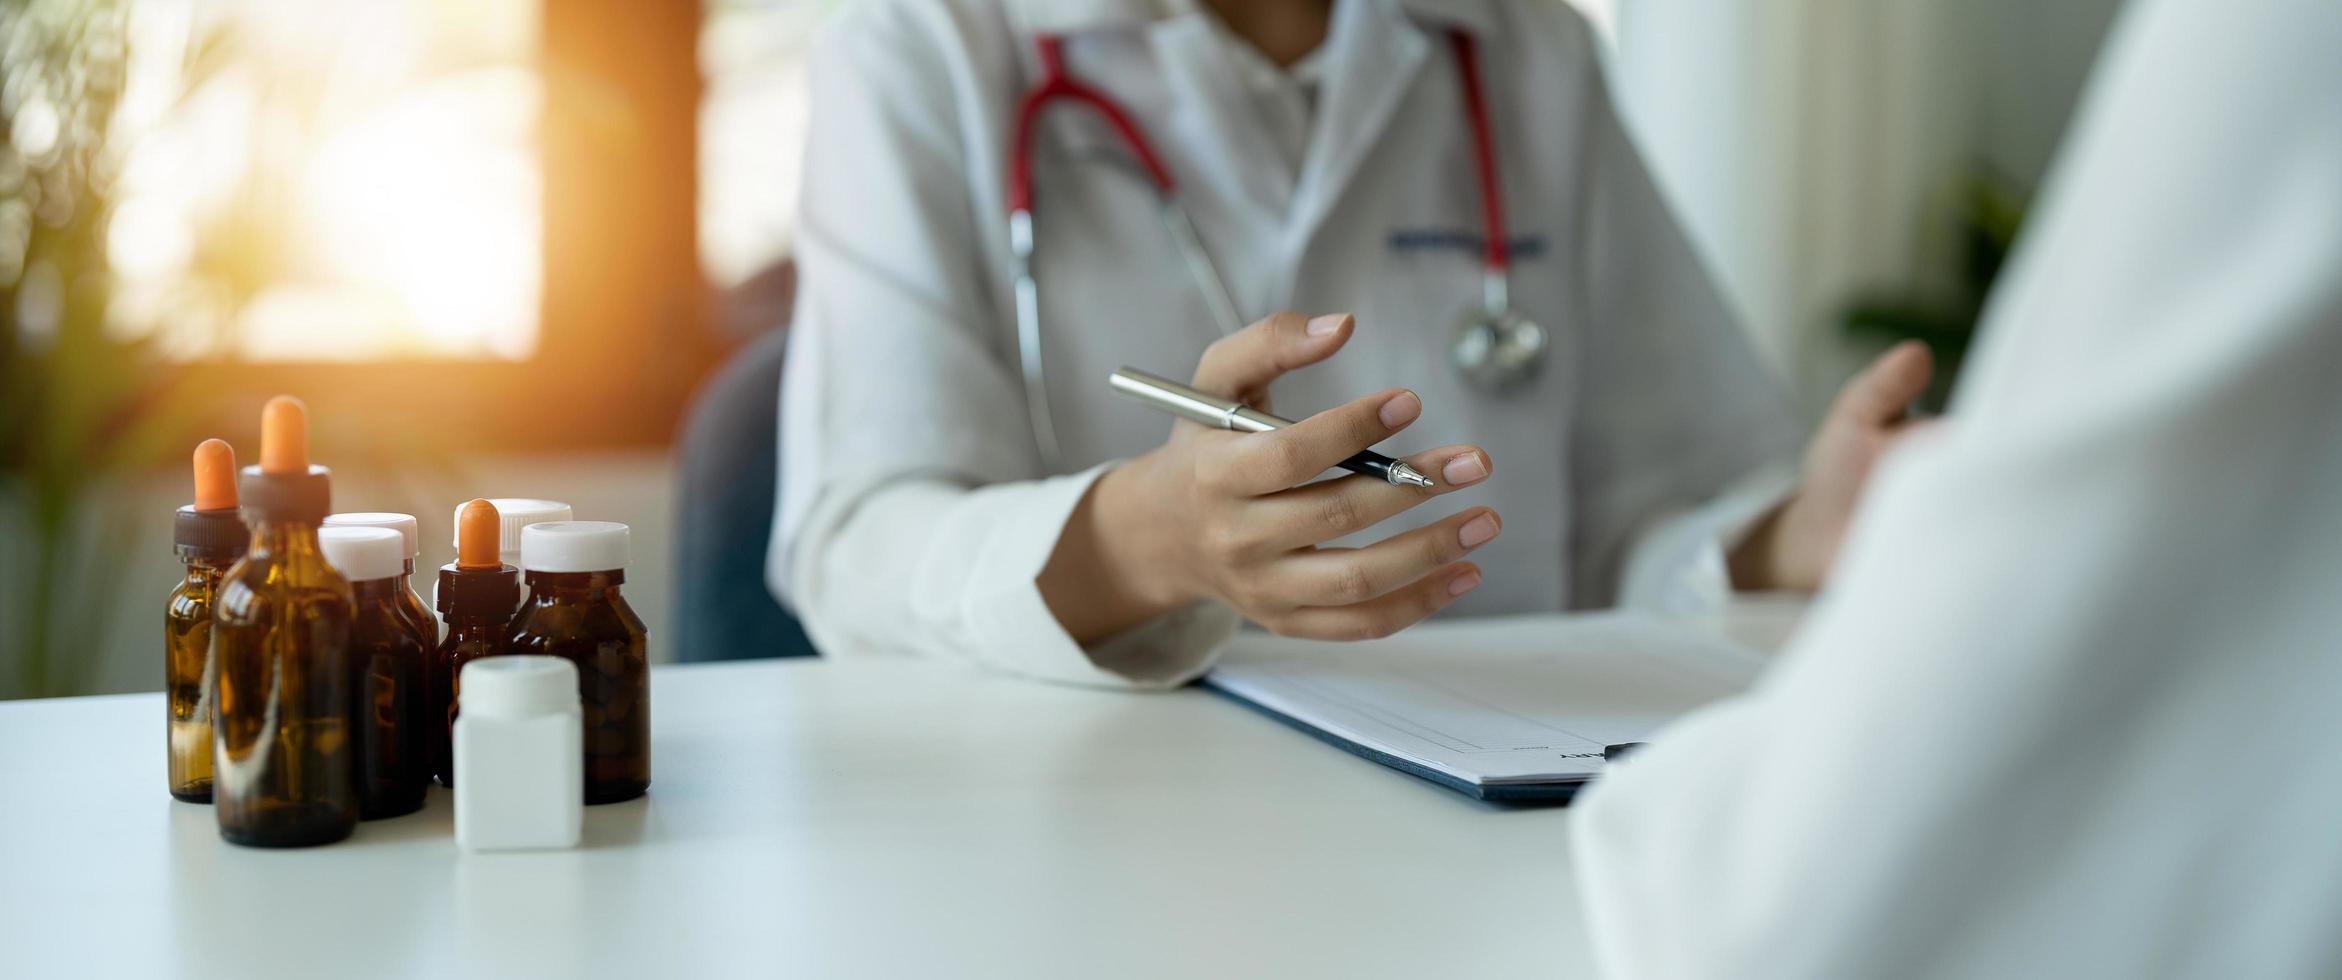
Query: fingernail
pixel 1463 583
pixel 1320 326
pixel 1464 469
pixel 1477 531
pixel 1400 409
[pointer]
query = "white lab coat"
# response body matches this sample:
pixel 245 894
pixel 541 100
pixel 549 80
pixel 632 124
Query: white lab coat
pixel 2072 706
pixel 914 508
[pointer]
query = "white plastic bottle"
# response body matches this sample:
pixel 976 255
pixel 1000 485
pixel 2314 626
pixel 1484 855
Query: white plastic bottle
pixel 520 744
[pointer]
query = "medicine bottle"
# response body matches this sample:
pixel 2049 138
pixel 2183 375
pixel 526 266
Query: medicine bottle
pixel 410 605
pixel 388 716
pixel 574 612
pixel 280 643
pixel 476 594
pixel 208 537
pixel 518 743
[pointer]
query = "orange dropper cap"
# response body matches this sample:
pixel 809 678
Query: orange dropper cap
pixel 478 588
pixel 210 529
pixel 215 475
pixel 477 531
pixel 284 436
pixel 284 488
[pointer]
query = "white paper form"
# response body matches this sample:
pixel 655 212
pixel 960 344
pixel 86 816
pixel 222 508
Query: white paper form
pixel 1530 699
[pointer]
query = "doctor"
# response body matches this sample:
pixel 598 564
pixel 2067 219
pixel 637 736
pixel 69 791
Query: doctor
pixel 984 238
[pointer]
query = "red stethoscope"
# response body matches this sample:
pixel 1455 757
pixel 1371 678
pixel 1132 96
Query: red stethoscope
pixel 1494 347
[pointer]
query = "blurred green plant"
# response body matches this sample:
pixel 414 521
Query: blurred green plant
pixel 83 404
pixel 1989 212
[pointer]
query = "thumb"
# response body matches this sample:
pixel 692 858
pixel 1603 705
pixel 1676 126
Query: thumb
pixel 1880 394
pixel 1242 364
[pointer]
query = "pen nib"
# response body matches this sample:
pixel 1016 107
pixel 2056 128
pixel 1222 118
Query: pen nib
pixel 1404 475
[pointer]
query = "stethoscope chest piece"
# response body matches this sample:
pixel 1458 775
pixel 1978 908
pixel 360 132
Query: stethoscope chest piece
pixel 1497 350
pixel 1495 347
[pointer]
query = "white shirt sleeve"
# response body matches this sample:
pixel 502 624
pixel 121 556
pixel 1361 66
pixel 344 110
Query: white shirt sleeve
pixel 914 514
pixel 2067 707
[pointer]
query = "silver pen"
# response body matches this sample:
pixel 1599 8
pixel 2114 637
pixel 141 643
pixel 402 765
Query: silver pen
pixel 1220 413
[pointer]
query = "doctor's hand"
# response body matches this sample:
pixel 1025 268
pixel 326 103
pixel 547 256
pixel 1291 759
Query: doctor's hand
pixel 1233 517
pixel 1795 546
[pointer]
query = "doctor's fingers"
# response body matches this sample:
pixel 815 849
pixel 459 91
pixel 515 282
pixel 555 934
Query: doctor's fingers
pixel 1330 508
pixel 1380 617
pixel 1242 364
pixel 1345 576
pixel 1266 462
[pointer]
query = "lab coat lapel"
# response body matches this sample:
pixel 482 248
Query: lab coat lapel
pixel 1378 52
pixel 1213 112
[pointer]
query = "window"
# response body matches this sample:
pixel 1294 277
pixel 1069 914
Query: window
pixel 752 133
pixel 330 182
pixel 473 219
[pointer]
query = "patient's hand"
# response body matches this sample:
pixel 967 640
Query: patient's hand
pixel 1795 546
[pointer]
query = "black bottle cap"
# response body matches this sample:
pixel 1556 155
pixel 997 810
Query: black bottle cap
pixel 216 536
pixel 286 498
pixel 476 593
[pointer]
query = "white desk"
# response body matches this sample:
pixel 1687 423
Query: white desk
pixel 864 819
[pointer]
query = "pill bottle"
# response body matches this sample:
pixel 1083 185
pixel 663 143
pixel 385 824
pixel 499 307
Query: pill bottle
pixel 280 644
pixel 518 743
pixel 208 536
pixel 388 715
pixel 574 611
pixel 476 594
pixel 410 605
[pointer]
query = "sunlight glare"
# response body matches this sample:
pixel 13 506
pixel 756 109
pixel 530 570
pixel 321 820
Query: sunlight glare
pixel 353 182
pixel 422 202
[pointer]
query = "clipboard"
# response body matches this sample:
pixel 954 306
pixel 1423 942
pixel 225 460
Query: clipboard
pixel 1511 709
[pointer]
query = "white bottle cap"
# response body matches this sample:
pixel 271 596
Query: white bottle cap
pixel 404 524
pixel 573 546
pixel 517 686
pixel 364 554
pixel 514 513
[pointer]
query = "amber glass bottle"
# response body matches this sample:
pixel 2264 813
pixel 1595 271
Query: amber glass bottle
pixel 387 716
pixel 419 619
pixel 574 611
pixel 476 594
pixel 411 606
pixel 187 678
pixel 280 646
pixel 208 537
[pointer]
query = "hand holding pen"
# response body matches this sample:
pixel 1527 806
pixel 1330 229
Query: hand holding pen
pixel 1234 516
pixel 1235 416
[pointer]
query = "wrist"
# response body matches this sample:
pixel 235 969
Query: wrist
pixel 1138 541
pixel 1766 557
pixel 1108 571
